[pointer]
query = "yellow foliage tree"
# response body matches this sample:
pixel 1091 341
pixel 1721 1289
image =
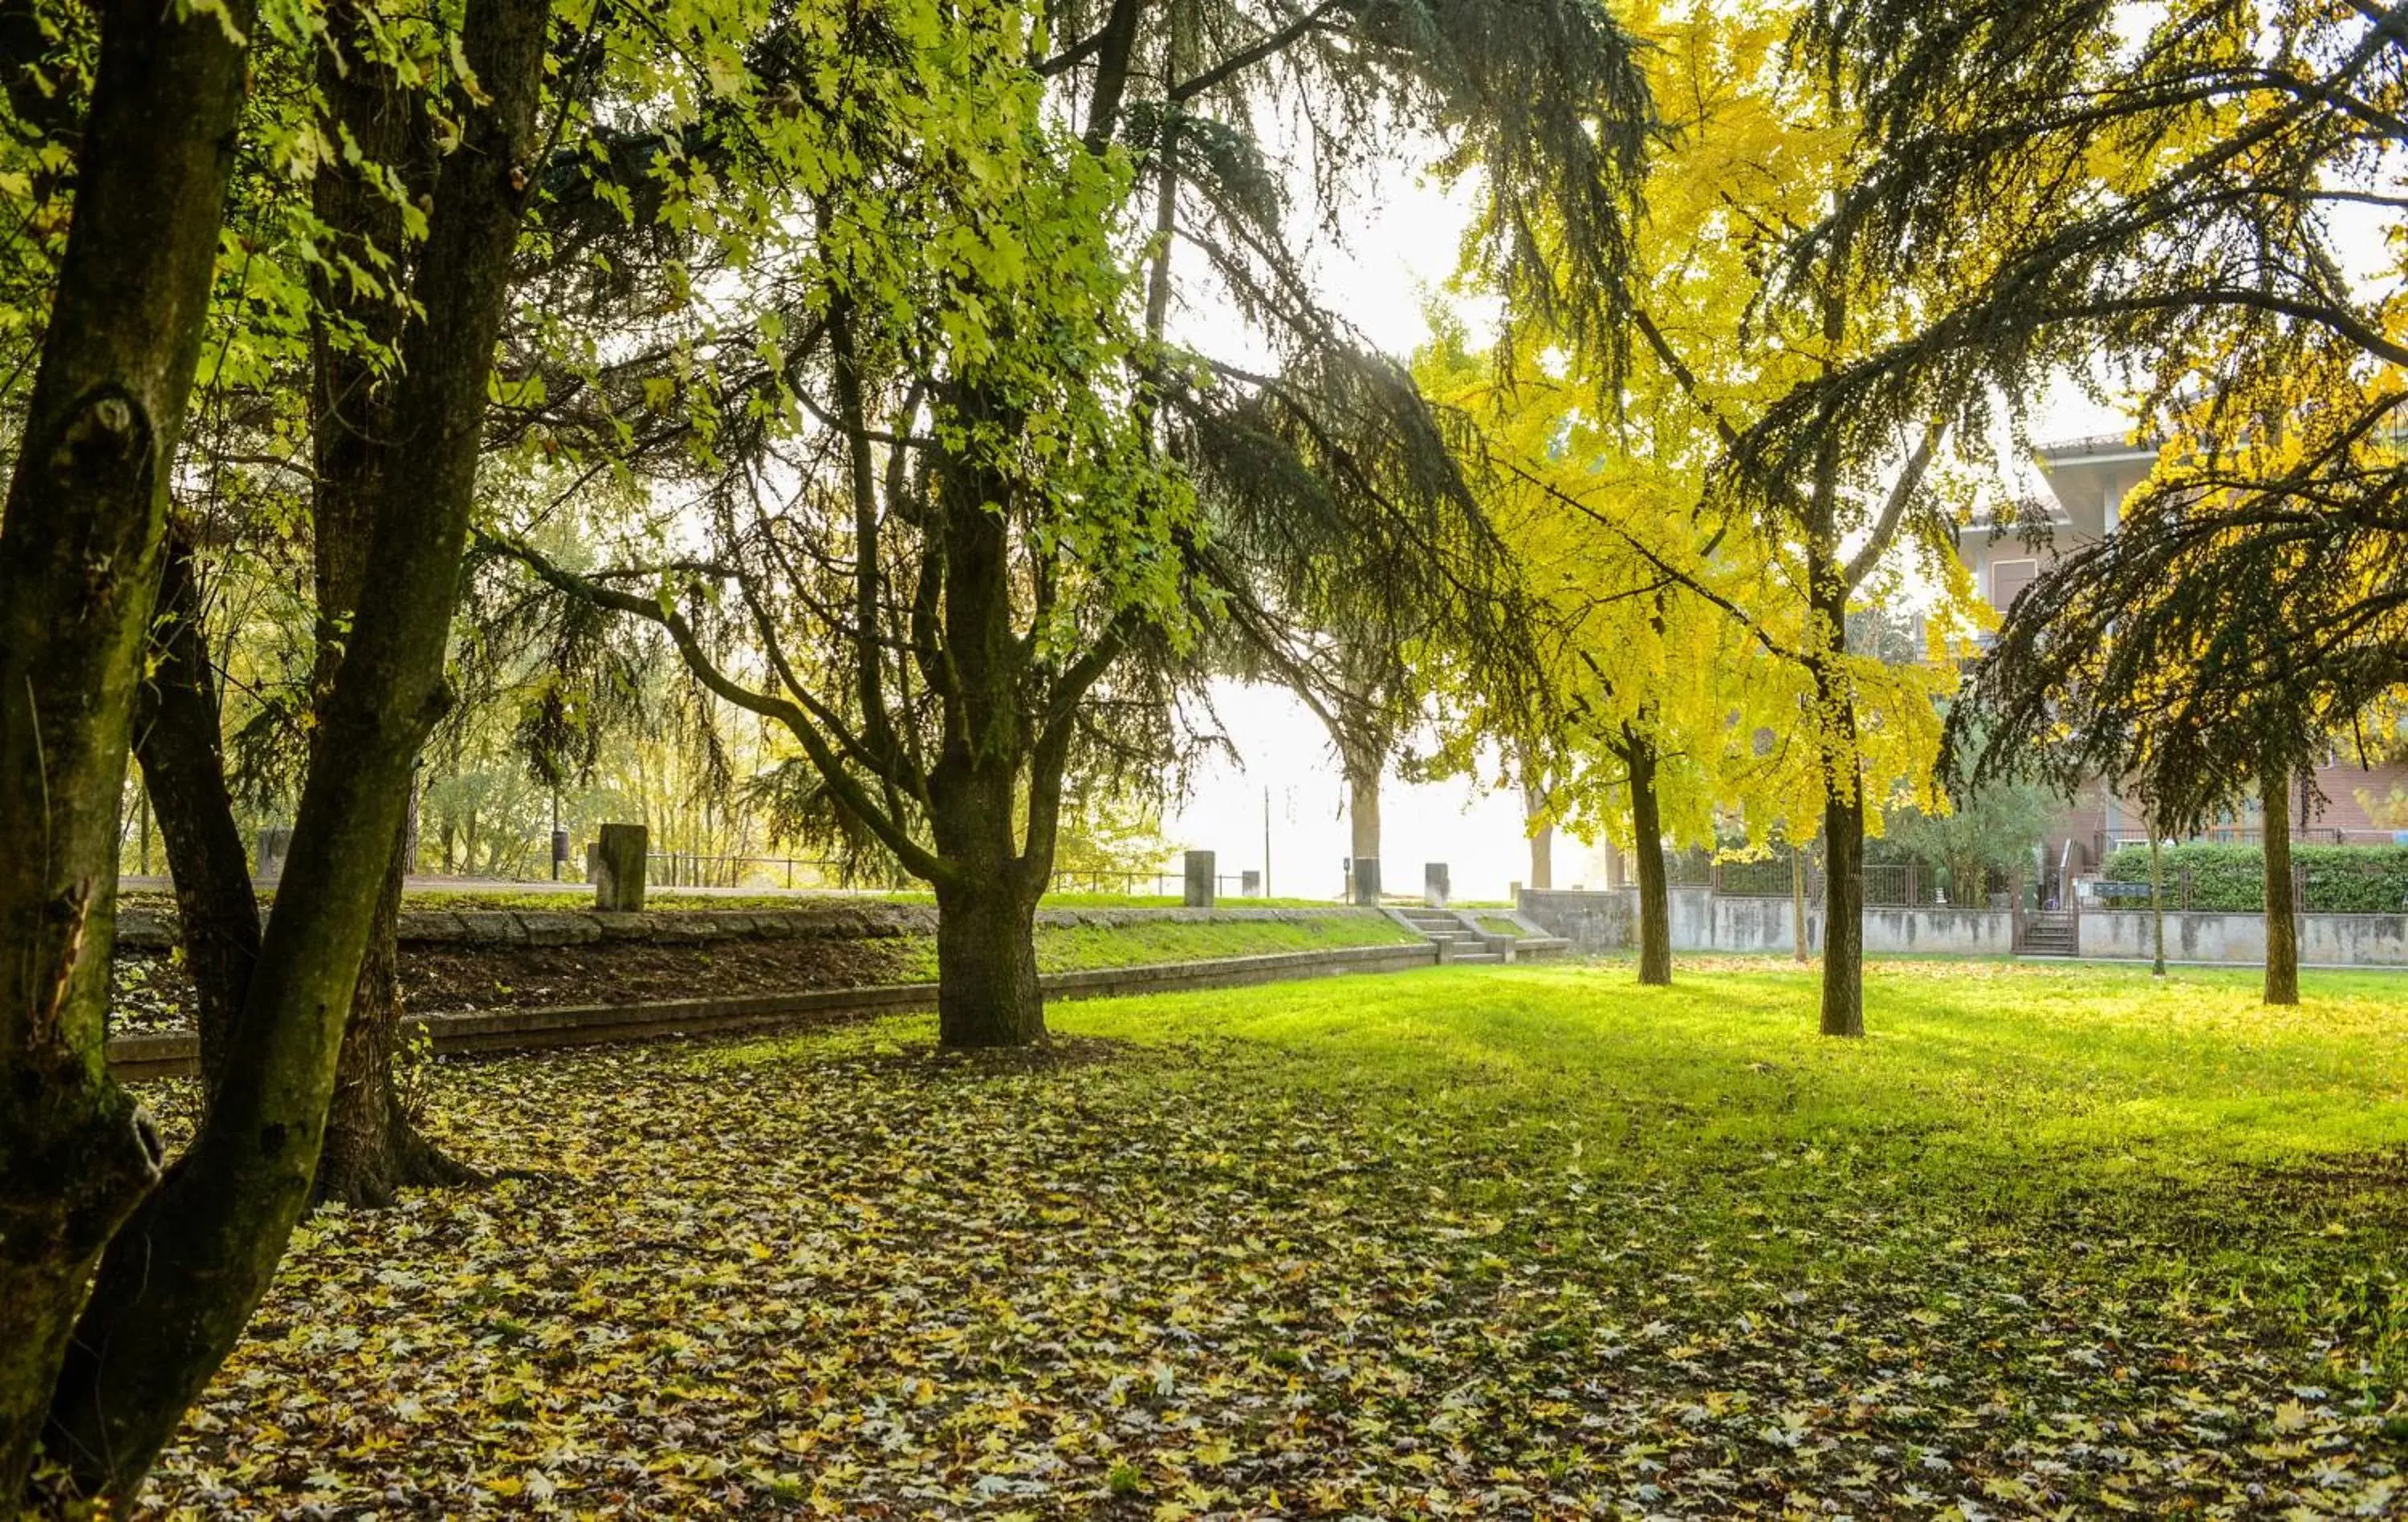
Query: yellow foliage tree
pixel 1696 612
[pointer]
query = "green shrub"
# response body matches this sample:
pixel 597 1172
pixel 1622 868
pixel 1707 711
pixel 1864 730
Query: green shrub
pixel 2341 879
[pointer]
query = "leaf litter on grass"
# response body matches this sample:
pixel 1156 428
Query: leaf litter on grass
pixel 837 1276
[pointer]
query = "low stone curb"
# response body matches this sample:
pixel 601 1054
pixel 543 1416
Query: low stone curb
pixel 175 1054
pixel 149 930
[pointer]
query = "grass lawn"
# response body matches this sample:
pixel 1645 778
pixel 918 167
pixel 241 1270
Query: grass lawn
pixel 1479 1242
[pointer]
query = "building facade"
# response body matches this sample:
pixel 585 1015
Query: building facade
pixel 2087 482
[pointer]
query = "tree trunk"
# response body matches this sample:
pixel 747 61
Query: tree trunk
pixel 179 738
pixel 1797 950
pixel 1648 847
pixel 2282 911
pixel 1543 842
pixel 987 993
pixel 1363 806
pixel 372 1149
pixel 1843 811
pixel 180 1280
pixel 1844 914
pixel 2157 907
pixel 80 547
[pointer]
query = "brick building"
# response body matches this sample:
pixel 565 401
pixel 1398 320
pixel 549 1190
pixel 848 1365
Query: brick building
pixel 2087 481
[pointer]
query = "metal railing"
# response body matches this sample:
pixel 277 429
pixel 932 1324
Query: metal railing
pixel 1887 885
pixel 1167 883
pixel 2108 841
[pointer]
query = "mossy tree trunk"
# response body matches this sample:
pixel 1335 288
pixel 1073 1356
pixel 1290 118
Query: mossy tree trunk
pixel 177 737
pixel 79 565
pixel 372 1148
pixel 180 1281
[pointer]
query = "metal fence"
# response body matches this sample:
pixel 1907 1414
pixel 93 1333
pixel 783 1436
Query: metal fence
pixel 2110 840
pixel 1777 875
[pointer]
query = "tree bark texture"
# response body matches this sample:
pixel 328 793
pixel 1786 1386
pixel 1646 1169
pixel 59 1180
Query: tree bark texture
pixel 178 738
pixel 986 885
pixel 1843 821
pixel 987 994
pixel 1647 850
pixel 79 560
pixel 180 1280
pixel 372 1148
pixel 2282 910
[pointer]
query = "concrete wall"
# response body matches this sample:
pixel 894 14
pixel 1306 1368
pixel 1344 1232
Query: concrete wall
pixel 1595 923
pixel 1940 932
pixel 2325 939
pixel 1704 920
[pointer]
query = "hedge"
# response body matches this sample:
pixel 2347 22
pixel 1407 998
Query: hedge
pixel 2341 879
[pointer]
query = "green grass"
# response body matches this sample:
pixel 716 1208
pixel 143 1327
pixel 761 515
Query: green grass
pixel 1499 1241
pixel 1991 1059
pixel 1078 948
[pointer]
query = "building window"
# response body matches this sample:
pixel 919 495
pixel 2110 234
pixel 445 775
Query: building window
pixel 2008 579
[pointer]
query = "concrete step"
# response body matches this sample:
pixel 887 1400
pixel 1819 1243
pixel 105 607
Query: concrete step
pixel 1474 958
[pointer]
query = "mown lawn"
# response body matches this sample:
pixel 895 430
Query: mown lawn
pixel 1468 1242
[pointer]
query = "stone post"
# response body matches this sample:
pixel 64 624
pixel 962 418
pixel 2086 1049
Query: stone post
pixel 618 868
pixel 1366 881
pixel 1199 880
pixel 1434 886
pixel 1250 883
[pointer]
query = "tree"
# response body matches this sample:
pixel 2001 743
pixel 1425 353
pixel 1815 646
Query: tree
pixel 1992 828
pixel 2169 199
pixel 175 1284
pixel 79 555
pixel 1704 603
pixel 1025 522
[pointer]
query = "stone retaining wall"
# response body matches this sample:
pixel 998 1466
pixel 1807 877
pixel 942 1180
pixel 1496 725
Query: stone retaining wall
pixel 169 1055
pixel 148 930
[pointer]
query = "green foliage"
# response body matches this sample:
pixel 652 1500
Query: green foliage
pixel 1992 828
pixel 2341 879
pixel 1528 1237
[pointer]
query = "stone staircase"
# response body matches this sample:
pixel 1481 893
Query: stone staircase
pixel 1460 939
pixel 2047 932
